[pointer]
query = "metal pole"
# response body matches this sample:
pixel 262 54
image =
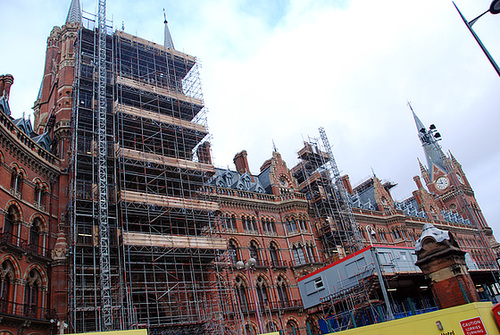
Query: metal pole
pixel 255 300
pixel 382 284
pixel 469 26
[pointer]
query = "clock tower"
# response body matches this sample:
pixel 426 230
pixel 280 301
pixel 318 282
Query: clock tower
pixel 446 180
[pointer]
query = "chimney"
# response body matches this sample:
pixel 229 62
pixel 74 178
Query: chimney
pixel 347 184
pixel 418 182
pixel 241 162
pixel 6 82
pixel 441 259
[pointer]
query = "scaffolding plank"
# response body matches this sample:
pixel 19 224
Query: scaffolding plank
pixel 165 160
pixel 160 117
pixel 156 89
pixel 166 201
pixel 173 241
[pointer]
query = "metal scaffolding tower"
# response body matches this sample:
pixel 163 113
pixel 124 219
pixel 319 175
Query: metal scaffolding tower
pixel 319 178
pixel 342 201
pixel 143 249
pixel 102 202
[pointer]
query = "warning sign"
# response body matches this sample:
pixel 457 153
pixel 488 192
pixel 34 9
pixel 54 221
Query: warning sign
pixel 473 326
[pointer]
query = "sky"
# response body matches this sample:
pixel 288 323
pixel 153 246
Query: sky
pixel 276 71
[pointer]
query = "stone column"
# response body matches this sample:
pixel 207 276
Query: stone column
pixel 441 259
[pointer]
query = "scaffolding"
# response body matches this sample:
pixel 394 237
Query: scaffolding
pixel 318 177
pixel 163 251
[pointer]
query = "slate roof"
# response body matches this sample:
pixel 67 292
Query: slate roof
pixel 232 179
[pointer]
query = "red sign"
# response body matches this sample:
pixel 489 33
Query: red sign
pixel 473 326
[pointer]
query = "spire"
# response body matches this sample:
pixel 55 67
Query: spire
pixel 432 150
pixel 454 160
pixel 274 147
pixel 168 42
pixel 74 12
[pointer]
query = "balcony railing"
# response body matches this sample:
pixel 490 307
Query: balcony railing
pixel 25 310
pixel 16 242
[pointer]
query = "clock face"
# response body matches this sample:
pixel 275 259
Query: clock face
pixel 442 183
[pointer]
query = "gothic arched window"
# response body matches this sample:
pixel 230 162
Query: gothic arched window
pixel 31 295
pixel 274 252
pixel 233 251
pixel 254 251
pixel 282 288
pixel 262 294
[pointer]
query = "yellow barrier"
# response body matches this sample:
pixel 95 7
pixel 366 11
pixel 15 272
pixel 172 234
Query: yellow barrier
pixel 471 319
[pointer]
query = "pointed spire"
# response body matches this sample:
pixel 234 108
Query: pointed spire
pixel 432 150
pixel 423 170
pixel 168 42
pixel 454 160
pixel 74 12
pixel 274 147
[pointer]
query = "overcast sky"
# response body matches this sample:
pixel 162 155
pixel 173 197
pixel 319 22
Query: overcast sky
pixel 278 70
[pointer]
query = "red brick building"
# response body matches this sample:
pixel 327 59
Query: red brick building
pixel 178 232
pixel 264 217
pixel 29 214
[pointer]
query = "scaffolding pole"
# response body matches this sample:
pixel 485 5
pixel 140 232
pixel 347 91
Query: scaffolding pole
pixel 104 258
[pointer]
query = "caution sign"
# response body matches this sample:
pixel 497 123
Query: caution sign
pixel 473 326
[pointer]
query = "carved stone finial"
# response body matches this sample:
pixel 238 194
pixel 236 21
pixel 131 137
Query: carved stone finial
pixel 61 247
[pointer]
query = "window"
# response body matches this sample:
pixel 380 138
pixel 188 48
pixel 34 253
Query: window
pixel 39 194
pixel 312 327
pixel 228 221
pixel 232 222
pixel 273 226
pixel 249 224
pixel 5 289
pixel 242 293
pixel 268 225
pixel 273 251
pixel 8 226
pixel 250 330
pixel 6 281
pixel 292 328
pixel 35 236
pixel 246 223
pixel 381 235
pixel 271 327
pixel 318 284
pixel 310 253
pixel 254 251
pixel 302 225
pixel 298 254
pixel 291 225
pixel 262 296
pixel 396 234
pixel 16 183
pixel 253 224
pixel 233 252
pixel 31 294
pixel 282 292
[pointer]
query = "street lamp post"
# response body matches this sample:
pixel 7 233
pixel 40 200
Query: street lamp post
pixel 249 265
pixel 494 9
pixel 374 252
